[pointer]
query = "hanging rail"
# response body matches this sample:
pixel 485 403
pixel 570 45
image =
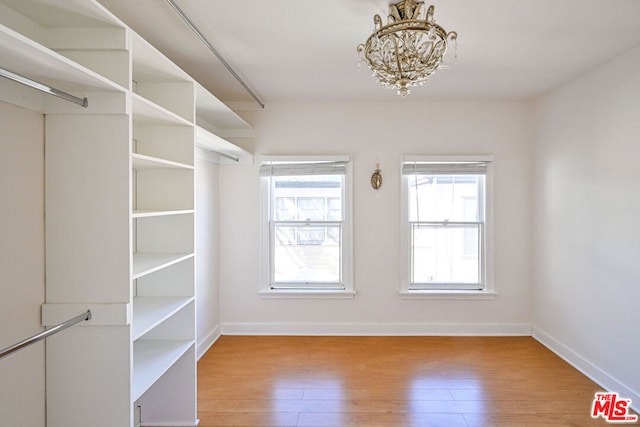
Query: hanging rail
pixel 213 50
pixel 42 335
pixel 83 102
pixel 227 156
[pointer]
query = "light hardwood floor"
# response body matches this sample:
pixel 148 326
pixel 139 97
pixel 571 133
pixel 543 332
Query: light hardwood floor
pixel 390 381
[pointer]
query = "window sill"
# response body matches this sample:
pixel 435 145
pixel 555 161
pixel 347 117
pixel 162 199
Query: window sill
pixel 304 294
pixel 449 295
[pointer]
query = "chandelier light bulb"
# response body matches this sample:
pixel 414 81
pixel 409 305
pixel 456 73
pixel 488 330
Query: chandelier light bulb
pixel 409 49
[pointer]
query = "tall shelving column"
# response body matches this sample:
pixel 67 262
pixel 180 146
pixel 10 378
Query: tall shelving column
pixel 163 227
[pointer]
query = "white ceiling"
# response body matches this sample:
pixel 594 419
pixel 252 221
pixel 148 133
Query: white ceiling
pixel 306 49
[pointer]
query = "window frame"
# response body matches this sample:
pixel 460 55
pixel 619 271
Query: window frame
pixel 407 290
pixel 266 290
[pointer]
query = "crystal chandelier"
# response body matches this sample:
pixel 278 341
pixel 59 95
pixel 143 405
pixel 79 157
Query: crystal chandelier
pixel 409 49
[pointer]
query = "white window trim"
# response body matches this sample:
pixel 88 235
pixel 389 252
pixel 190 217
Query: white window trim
pixel 265 290
pixel 489 291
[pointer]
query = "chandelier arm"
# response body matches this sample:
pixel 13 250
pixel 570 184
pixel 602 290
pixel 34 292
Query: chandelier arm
pixel 417 11
pixel 430 12
pixel 398 63
pixel 377 22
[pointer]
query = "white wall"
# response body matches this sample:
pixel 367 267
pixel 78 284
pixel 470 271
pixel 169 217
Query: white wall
pixel 587 232
pixel 22 386
pixel 381 133
pixel 207 255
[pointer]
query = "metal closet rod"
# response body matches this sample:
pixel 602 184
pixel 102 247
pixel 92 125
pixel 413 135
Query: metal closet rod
pixel 228 156
pixel 195 29
pixel 83 102
pixel 42 335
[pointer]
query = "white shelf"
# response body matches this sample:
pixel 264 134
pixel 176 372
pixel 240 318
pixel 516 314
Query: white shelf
pixel 148 112
pixel 30 59
pixel 147 263
pixel 141 161
pixel 212 142
pixel 213 115
pixel 151 359
pixel 150 65
pixel 154 213
pixel 65 14
pixel 148 312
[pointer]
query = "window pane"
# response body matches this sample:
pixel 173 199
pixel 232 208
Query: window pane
pixel 441 254
pixel 334 209
pixel 445 197
pixel 312 257
pixel 470 209
pixel 311 235
pixel 285 236
pixel 307 197
pixel 471 241
pixel 285 209
pixel 311 209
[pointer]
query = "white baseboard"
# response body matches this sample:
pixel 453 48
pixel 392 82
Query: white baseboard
pixel 381 329
pixel 592 371
pixel 205 344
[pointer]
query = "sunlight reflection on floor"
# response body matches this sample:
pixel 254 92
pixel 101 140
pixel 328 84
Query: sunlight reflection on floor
pixel 325 396
pixel 436 395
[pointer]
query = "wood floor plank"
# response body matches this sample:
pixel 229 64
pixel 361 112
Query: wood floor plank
pixel 247 419
pixel 380 420
pixel 390 381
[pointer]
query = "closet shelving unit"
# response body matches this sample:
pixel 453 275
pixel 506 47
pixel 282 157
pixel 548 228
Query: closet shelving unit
pixel 163 236
pixel 120 203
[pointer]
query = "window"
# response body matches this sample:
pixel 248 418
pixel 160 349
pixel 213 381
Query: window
pixel 306 225
pixel 445 227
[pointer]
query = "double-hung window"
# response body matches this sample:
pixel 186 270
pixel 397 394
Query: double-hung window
pixel 445 226
pixel 306 213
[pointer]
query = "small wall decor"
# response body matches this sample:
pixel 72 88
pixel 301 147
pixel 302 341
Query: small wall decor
pixel 376 178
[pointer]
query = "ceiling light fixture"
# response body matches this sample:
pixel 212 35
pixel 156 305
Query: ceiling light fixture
pixel 409 49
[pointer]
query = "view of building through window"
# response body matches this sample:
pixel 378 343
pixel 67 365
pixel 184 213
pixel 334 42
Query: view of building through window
pixel 306 230
pixel 446 221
